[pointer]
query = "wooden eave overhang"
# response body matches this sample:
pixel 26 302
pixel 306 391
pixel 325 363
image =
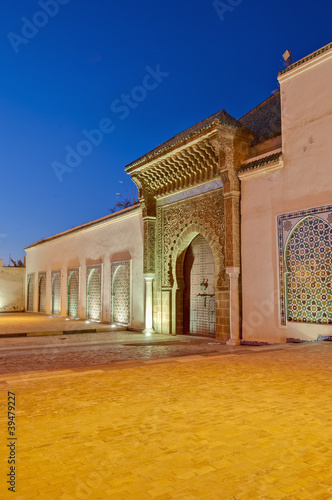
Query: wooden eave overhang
pixel 188 159
pixel 204 129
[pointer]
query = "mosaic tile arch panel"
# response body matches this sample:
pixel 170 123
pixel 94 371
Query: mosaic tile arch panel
pixel 30 291
pixel 56 292
pixel 305 266
pixel 121 292
pixel 93 288
pixel 72 292
pixel 42 292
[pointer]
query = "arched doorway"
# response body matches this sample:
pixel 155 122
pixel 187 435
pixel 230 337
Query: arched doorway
pixel 42 293
pixel 199 309
pixel 73 293
pixel 56 292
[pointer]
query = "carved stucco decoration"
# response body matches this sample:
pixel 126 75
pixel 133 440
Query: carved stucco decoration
pixel 232 150
pixel 149 226
pixel 207 212
pixel 146 196
pixel 193 165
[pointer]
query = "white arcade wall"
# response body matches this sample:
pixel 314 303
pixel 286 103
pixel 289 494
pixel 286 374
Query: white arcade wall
pixel 94 271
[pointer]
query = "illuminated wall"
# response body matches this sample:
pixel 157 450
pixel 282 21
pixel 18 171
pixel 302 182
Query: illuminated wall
pixel 12 288
pixel 67 261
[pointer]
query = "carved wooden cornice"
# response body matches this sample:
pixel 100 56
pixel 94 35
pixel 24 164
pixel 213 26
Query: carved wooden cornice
pixel 217 154
pixel 196 164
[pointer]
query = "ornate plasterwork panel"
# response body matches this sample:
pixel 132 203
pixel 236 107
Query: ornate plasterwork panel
pixel 56 292
pixel 207 212
pixel 305 266
pixel 30 291
pixel 121 292
pixel 149 226
pixel 93 289
pixel 73 292
pixel 194 165
pixel 42 292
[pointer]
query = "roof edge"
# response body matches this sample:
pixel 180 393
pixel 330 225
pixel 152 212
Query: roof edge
pixel 260 162
pixel 86 225
pixel 306 58
pixel 202 125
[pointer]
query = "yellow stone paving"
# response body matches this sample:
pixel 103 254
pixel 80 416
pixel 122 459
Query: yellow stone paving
pixel 254 426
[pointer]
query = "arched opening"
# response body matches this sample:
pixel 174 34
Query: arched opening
pixel 30 292
pixel 42 293
pixel 121 293
pixel 73 291
pixel 94 295
pixel 308 258
pixel 195 282
pixel 56 293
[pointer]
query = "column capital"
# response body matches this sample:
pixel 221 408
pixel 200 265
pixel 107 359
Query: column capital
pixel 149 217
pixel 149 276
pixel 233 272
pixel 232 194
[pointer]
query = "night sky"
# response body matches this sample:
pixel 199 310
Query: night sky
pixel 136 73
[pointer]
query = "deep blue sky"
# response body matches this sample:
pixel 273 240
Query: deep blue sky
pixel 65 77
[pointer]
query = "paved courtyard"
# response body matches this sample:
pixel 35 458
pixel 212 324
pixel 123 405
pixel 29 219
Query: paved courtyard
pixel 12 324
pixel 31 341
pixel 255 425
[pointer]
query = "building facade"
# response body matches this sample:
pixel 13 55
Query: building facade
pixel 287 214
pixel 231 237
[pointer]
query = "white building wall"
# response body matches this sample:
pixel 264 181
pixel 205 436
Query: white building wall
pixel 304 182
pixel 115 239
pixel 12 288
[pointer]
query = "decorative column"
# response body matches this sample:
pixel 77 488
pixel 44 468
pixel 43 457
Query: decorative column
pixel 149 228
pixel 234 273
pixel 148 278
pixel 232 148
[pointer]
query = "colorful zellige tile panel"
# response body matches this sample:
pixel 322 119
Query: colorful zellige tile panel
pixel 309 272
